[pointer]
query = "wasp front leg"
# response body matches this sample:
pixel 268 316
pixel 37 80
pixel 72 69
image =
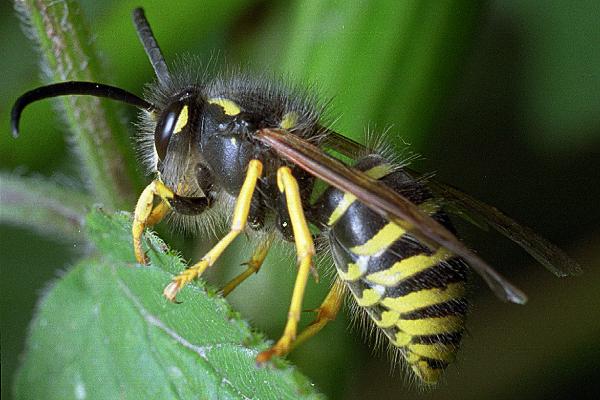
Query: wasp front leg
pixel 240 219
pixel 147 214
pixel 305 250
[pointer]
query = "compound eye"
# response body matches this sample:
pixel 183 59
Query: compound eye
pixel 172 121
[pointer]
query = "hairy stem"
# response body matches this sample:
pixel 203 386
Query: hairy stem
pixel 67 53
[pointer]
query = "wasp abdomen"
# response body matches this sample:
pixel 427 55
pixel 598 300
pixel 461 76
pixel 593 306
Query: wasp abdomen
pixel 415 295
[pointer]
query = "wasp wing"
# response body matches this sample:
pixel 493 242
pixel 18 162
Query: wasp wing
pixel 481 215
pixel 385 201
pixel 546 253
pixel 341 143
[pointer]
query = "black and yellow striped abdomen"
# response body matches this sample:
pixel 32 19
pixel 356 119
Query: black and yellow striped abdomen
pixel 414 295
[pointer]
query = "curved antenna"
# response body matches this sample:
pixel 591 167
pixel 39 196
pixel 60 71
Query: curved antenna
pixel 73 88
pixel 151 46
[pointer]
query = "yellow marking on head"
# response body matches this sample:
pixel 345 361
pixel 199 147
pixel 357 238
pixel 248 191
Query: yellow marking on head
pixel 436 351
pixel 289 120
pixel 233 141
pixel 402 339
pixel 182 119
pixel 230 107
pixel 388 319
pixel 407 267
pixel 354 273
pixel 369 298
pixel 431 326
pixel 426 373
pixel 424 298
pixel 381 241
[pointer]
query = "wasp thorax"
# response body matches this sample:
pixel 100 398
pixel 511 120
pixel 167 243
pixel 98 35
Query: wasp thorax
pixel 224 143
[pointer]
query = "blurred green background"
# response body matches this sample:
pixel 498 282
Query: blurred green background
pixel 501 98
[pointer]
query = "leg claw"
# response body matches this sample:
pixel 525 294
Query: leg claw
pixel 265 356
pixel 171 290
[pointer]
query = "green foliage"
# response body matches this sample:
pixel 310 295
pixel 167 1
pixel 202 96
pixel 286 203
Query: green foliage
pixel 358 53
pixel 44 205
pixel 93 128
pixel 67 53
pixel 382 62
pixel 105 331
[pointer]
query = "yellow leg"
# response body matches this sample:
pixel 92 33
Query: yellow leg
pixel 146 214
pixel 326 312
pixel 158 213
pixel 240 217
pixel 256 261
pixel 305 250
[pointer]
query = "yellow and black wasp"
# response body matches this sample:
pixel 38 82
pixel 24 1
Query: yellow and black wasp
pixel 254 151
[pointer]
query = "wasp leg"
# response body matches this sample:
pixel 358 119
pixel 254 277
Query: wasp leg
pixel 254 264
pixel 146 214
pixel 158 213
pixel 240 218
pixel 305 250
pixel 326 312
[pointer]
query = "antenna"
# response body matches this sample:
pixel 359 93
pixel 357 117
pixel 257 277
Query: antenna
pixel 151 46
pixel 73 88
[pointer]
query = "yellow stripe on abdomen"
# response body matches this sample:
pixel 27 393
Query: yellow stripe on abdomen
pixel 377 172
pixel 431 326
pixel 370 297
pixel 424 298
pixel 388 319
pixel 408 267
pixel 434 351
pixel 341 208
pixel 354 273
pixel 380 241
pixel 426 373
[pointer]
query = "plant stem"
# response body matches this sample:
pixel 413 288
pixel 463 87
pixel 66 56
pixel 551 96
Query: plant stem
pixel 67 54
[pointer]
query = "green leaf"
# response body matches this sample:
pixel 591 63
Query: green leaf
pixel 105 331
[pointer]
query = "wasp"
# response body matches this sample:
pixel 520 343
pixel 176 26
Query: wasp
pixel 254 151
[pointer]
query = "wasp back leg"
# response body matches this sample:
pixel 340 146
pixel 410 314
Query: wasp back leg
pixel 253 265
pixel 326 312
pixel 305 249
pixel 240 218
